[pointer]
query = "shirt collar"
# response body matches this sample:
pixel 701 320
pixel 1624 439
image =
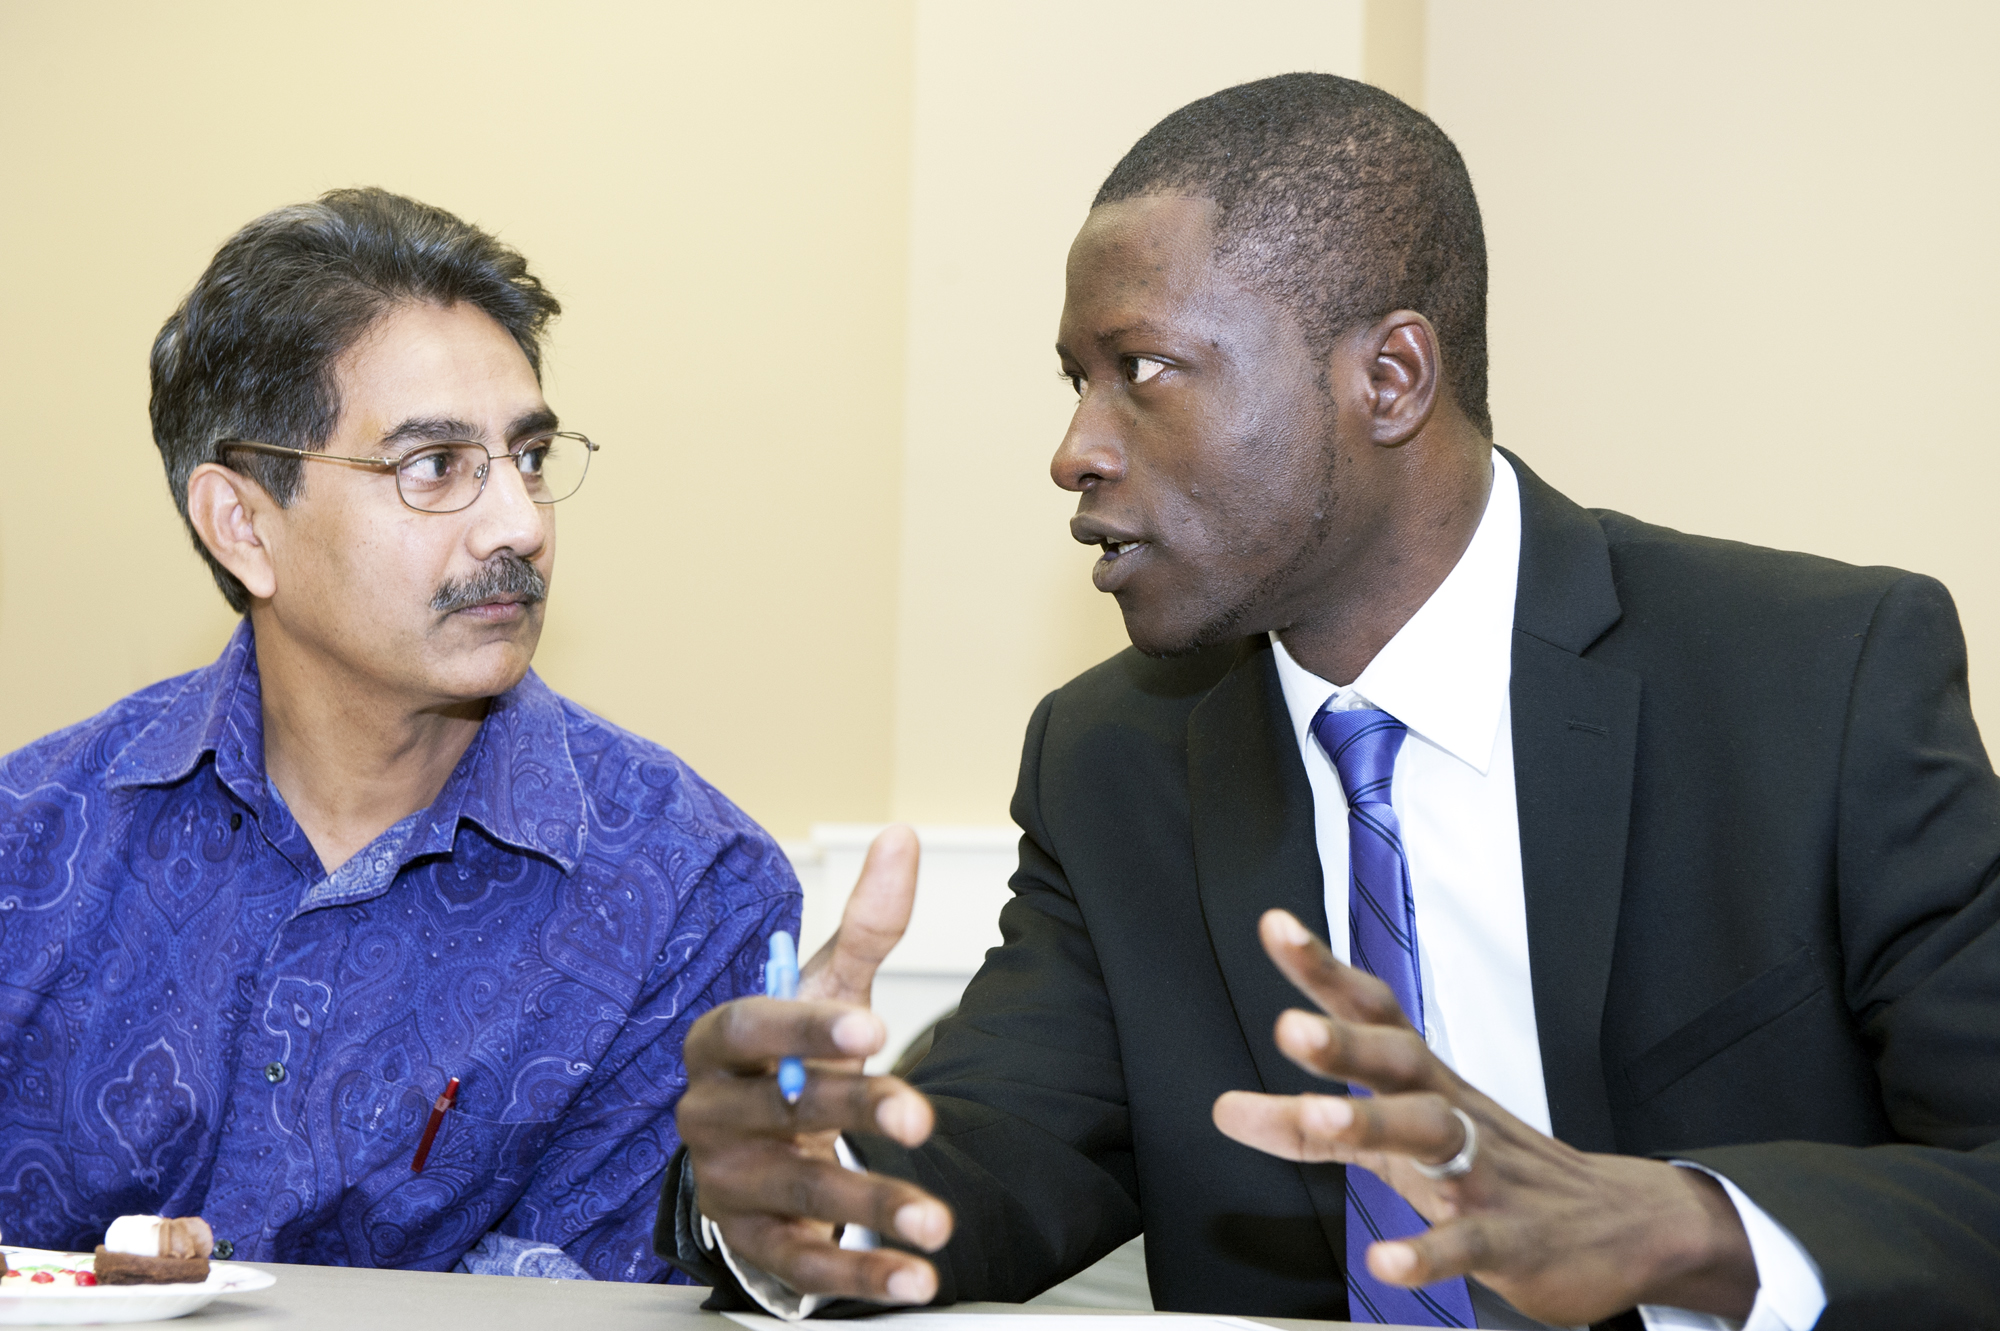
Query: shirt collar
pixel 219 710
pixel 516 780
pixel 1445 673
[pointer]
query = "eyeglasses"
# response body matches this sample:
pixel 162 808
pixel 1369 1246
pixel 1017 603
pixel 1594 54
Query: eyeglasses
pixel 450 475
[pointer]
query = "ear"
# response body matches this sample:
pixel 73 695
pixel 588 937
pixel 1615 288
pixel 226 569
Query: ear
pixel 226 508
pixel 1405 376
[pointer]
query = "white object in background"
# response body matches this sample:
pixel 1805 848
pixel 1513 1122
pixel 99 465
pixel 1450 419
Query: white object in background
pixel 961 886
pixel 1118 1280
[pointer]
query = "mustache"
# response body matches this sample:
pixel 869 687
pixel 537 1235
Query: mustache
pixel 504 575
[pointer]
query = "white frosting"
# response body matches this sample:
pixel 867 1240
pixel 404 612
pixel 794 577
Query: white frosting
pixel 135 1235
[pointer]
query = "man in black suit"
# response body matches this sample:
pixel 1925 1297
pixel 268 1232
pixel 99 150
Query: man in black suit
pixel 1705 848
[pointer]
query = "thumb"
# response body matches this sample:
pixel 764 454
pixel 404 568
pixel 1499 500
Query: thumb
pixel 877 913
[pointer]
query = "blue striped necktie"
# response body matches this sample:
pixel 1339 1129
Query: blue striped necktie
pixel 1382 940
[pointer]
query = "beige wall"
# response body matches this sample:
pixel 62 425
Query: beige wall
pixel 1744 268
pixel 811 256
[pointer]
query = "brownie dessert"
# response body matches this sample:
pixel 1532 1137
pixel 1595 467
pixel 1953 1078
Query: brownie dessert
pixel 154 1250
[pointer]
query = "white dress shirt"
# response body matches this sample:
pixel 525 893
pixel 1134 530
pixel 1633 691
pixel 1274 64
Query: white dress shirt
pixel 1445 676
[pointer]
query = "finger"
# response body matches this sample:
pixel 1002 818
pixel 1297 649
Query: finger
pixel 1456 1248
pixel 1382 1058
pixel 1335 1127
pixel 871 924
pixel 749 1034
pixel 765 1179
pixel 1313 969
pixel 806 1259
pixel 1421 1127
pixel 1293 1127
pixel 718 1110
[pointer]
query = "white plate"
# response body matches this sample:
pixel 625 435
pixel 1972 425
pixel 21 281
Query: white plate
pixel 79 1305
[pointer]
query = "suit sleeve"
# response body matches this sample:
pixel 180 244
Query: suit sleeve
pixel 1033 1148
pixel 1909 1234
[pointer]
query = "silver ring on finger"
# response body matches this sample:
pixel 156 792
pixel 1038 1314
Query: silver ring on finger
pixel 1461 1164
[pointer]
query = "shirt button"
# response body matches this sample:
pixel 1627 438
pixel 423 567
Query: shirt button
pixel 274 1073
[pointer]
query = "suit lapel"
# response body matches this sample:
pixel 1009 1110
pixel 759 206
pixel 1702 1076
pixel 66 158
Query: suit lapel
pixel 1254 846
pixel 1255 849
pixel 1576 726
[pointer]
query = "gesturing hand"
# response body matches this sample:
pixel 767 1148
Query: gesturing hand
pixel 1563 1235
pixel 765 1171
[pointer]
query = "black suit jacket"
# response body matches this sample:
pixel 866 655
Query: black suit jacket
pixel 1759 841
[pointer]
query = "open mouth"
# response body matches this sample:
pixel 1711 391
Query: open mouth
pixel 1120 562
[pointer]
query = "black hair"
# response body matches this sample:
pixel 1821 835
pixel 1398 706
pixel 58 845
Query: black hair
pixel 1338 201
pixel 250 353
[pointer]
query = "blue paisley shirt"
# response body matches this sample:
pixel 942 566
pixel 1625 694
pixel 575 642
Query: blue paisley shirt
pixel 196 1018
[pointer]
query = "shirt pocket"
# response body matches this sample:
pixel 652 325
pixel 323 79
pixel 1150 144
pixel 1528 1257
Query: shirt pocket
pixel 476 1170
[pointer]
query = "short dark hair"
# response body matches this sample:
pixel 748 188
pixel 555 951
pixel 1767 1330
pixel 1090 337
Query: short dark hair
pixel 1340 202
pixel 250 353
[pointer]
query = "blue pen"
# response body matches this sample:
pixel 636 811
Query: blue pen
pixel 781 980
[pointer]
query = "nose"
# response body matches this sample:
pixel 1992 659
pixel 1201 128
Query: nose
pixel 505 518
pixel 1091 450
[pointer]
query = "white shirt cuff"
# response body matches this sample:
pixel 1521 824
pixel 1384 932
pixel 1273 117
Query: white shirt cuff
pixel 1790 1295
pixel 772 1294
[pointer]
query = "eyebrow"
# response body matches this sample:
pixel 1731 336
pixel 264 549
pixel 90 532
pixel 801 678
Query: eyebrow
pixel 539 421
pixel 439 429
pixel 1139 327
pixel 429 430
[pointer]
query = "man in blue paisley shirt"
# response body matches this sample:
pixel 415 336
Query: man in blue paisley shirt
pixel 253 919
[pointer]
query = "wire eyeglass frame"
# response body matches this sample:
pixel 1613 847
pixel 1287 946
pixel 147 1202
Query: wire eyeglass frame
pixel 395 465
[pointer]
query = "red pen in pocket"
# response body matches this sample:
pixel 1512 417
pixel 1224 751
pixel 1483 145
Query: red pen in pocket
pixel 443 1102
